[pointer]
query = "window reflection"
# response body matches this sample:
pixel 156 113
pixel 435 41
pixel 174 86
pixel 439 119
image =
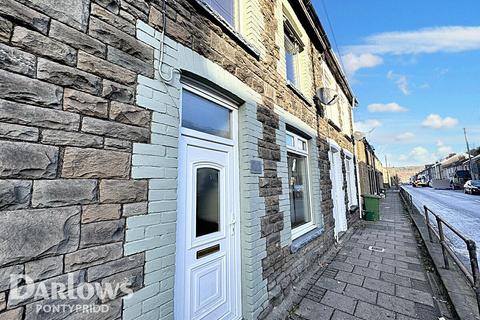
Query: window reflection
pixel 298 190
pixel 225 8
pixel 204 115
pixel 208 201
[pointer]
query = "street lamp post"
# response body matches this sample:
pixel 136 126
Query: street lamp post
pixel 468 150
pixel 386 167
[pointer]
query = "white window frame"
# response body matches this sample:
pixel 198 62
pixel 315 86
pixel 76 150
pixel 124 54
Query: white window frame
pixel 215 98
pixel 295 57
pixel 296 67
pixel 296 149
pixel 236 14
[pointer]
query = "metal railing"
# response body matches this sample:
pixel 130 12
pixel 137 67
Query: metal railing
pixel 472 276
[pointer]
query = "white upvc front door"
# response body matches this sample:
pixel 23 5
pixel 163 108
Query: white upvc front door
pixel 338 194
pixel 351 186
pixel 207 280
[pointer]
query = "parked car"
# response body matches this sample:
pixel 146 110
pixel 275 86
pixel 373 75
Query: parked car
pixel 460 178
pixel 421 182
pixel 472 186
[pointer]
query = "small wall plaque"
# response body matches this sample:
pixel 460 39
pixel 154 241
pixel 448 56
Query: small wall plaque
pixel 256 167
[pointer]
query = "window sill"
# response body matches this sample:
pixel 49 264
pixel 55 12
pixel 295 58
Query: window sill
pixel 227 28
pixel 334 125
pixel 299 93
pixel 305 239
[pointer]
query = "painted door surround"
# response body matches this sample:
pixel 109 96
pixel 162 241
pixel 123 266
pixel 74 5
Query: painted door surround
pixel 338 193
pixel 208 281
pixel 350 175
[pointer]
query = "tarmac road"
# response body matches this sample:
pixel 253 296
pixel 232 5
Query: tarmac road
pixel 459 209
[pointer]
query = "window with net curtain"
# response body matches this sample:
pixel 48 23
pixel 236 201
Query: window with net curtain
pixel 225 8
pixel 293 46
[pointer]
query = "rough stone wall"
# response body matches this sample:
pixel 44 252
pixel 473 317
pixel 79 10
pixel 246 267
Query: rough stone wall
pixel 72 104
pixel 188 25
pixel 326 188
pixel 154 233
pixel 362 168
pixel 68 121
pixel 282 267
pixel 364 178
pixel 271 189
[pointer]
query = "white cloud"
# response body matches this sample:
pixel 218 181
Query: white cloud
pixel 406 136
pixel 428 40
pixel 354 62
pixel 424 85
pixel 367 125
pixel 400 80
pixel 421 156
pixel 418 155
pixel 386 107
pixel 402 84
pixel 443 150
pixel 442 71
pixel 437 122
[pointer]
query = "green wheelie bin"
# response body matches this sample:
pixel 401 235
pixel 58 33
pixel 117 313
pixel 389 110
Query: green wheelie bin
pixel 372 207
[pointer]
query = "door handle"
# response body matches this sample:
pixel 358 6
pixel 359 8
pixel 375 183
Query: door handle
pixel 232 226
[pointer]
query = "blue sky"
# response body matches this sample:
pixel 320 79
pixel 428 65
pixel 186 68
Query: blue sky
pixel 415 68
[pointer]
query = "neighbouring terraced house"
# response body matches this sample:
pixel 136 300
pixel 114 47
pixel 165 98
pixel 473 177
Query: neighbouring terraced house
pixel 199 153
pixel 372 175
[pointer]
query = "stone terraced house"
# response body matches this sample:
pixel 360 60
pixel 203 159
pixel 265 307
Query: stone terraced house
pixel 371 173
pixel 183 149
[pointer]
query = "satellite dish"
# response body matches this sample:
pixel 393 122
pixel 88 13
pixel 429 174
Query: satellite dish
pixel 327 96
pixel 358 135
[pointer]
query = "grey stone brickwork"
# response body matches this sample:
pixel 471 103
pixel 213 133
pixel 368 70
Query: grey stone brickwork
pixel 273 220
pixel 263 77
pixel 284 199
pixel 89 151
pixel 68 120
pixel 315 178
pixel 283 266
pixel 154 232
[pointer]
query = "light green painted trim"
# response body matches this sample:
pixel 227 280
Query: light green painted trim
pixel 282 172
pixel 252 209
pixel 252 206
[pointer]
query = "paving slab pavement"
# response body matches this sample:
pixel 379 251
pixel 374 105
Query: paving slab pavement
pixel 379 273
